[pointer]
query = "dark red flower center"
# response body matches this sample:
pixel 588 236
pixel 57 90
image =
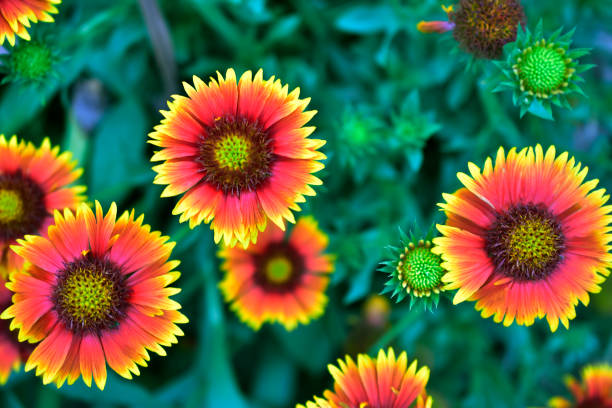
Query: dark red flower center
pixel 236 155
pixel 22 206
pixel 525 242
pixel 91 295
pixel 594 402
pixel 483 27
pixel 279 267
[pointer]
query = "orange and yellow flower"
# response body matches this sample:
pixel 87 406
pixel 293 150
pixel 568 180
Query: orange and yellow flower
pixel 33 183
pixel 16 16
pixel 277 279
pixel 12 352
pixel 526 238
pixel 94 292
pixel 595 391
pixel 384 382
pixel 240 154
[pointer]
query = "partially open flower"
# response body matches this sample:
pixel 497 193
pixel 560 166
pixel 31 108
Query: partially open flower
pixel 381 382
pixel 414 270
pixel 595 391
pixel 542 71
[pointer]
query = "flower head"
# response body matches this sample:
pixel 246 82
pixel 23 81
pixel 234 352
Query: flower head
pixel 12 352
pixel 383 382
pixel 414 270
pixel 94 292
pixel 595 391
pixel 16 15
pixel 279 279
pixel 526 238
pixel 240 154
pixel 481 27
pixel 33 183
pixel 542 71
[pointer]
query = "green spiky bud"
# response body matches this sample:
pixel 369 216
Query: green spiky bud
pixel 542 71
pixel 29 62
pixel 414 270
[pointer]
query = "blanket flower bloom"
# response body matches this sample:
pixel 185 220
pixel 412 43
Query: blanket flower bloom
pixel 595 391
pixel 239 153
pixel 382 382
pixel 480 27
pixel 277 279
pixel 16 16
pixel 33 183
pixel 94 292
pixel 526 238
pixel 12 352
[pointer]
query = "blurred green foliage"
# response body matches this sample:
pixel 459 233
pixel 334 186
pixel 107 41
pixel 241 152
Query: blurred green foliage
pixel 401 114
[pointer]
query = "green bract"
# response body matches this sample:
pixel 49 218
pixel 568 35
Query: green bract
pixel 414 270
pixel 29 62
pixel 542 71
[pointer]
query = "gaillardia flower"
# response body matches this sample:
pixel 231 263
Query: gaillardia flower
pixel 384 382
pixel 542 71
pixel 414 270
pixel 240 154
pixel 16 15
pixel 277 279
pixel 33 183
pixel 526 238
pixel 480 27
pixel 12 351
pixel 594 392
pixel 94 292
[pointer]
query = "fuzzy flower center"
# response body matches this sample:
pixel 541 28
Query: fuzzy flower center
pixel 483 27
pixel 91 295
pixel 278 268
pixel 236 155
pixel 542 69
pixel 11 206
pixel 420 269
pixel 22 206
pixel 525 242
pixel 232 152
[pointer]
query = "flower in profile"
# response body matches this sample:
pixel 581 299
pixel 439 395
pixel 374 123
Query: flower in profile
pixel 12 352
pixel 279 279
pixel 595 391
pixel 480 27
pixel 383 382
pixel 526 238
pixel 240 154
pixel 16 16
pixel 94 292
pixel 542 71
pixel 414 270
pixel 33 183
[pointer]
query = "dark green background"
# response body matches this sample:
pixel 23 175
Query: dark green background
pixel 401 115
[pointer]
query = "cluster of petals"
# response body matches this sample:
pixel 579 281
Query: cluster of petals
pixel 16 16
pixel 549 181
pixel 383 382
pixel 52 172
pixel 149 319
pixel 265 105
